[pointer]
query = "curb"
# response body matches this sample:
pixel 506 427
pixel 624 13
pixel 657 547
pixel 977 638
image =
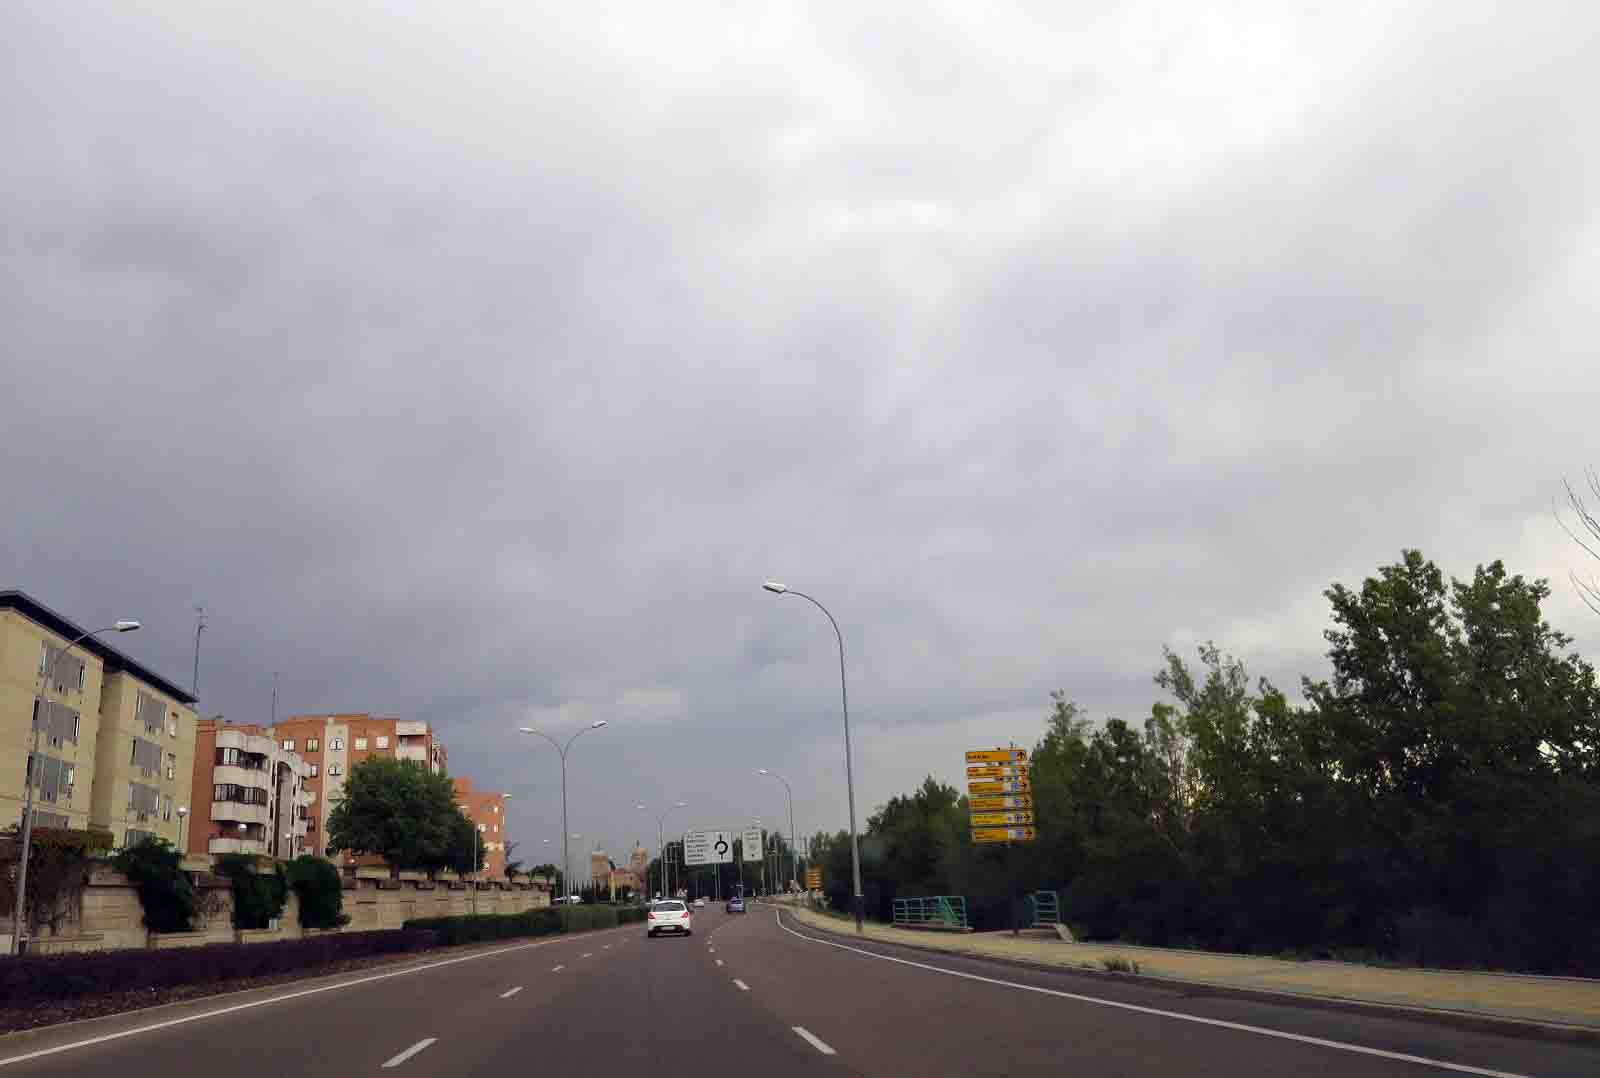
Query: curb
pixel 1471 1021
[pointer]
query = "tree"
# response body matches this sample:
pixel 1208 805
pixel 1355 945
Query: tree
pixel 400 811
pixel 466 854
pixel 512 867
pixel 1586 535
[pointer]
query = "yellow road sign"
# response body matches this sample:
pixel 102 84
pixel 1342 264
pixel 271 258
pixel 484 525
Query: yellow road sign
pixel 997 756
pixel 1014 786
pixel 1002 834
pixel 813 879
pixel 997 771
pixel 1001 819
pixel 1000 804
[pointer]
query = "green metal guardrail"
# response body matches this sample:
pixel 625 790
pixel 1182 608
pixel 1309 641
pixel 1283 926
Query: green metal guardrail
pixel 943 911
pixel 1043 909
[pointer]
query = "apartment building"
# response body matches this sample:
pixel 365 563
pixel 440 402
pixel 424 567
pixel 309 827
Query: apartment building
pixel 332 744
pixel 249 793
pixel 116 739
pixel 487 811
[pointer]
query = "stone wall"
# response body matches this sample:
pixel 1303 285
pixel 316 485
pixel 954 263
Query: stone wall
pixel 110 917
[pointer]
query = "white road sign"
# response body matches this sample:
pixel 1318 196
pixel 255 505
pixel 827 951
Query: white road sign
pixel 752 844
pixel 708 847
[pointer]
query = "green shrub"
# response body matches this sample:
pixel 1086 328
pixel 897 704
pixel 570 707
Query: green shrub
pixel 453 931
pixel 31 980
pixel 319 891
pixel 258 897
pixel 165 891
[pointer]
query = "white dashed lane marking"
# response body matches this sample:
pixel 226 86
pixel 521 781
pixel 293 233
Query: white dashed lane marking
pixel 409 1052
pixel 742 986
pixel 510 992
pixel 815 1041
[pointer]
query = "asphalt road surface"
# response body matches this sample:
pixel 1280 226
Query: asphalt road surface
pixel 748 995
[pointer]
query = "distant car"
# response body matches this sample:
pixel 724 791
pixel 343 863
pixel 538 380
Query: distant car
pixel 700 903
pixel 668 915
pixel 735 904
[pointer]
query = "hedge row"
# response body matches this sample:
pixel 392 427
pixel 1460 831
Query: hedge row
pixel 34 979
pixel 543 922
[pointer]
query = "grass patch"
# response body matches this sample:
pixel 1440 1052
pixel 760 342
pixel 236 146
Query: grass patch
pixel 1118 964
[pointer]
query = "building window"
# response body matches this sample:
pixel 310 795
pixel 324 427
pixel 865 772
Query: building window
pixel 495 828
pixel 312 744
pixel 313 770
pixel 383 741
pixel 483 827
pixel 288 744
pixel 361 743
pixel 172 726
pixel 335 769
pixel 336 744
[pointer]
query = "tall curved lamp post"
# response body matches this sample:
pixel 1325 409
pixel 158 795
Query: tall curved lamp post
pixel 566 858
pixel 849 776
pixel 46 679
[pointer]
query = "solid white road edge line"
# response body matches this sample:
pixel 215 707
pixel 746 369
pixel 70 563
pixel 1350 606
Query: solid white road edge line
pixel 815 1041
pixel 409 1052
pixel 1262 1031
pixel 202 1016
pixel 510 992
pixel 742 986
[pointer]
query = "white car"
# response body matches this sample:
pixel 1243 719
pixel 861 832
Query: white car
pixel 668 915
pixel 700 903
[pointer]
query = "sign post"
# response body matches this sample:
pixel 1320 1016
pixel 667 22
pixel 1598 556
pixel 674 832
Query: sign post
pixel 1000 801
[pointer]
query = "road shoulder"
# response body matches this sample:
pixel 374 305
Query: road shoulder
pixel 1578 1026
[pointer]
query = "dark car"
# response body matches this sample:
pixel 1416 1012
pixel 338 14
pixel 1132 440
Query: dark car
pixel 735 904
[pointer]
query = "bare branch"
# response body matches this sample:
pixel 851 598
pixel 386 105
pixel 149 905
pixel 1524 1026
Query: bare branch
pixel 1585 518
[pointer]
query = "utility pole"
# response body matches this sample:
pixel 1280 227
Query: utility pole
pixel 199 627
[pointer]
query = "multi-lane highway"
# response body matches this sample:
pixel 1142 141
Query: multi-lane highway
pixel 749 994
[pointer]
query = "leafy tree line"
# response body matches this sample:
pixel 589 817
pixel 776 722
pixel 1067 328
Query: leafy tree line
pixel 407 815
pixel 1437 800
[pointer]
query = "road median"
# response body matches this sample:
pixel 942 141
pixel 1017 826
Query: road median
pixel 1514 1004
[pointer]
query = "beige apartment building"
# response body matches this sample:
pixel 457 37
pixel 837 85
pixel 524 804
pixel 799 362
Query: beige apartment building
pixel 332 744
pixel 116 739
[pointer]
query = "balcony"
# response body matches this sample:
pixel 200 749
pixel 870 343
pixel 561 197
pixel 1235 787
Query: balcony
pixel 236 845
pixel 419 753
pixel 241 776
pixel 410 728
pixel 237 812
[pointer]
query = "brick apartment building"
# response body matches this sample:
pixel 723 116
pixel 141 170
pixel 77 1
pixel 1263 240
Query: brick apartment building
pixel 331 744
pixel 249 795
pixel 487 811
pixel 116 739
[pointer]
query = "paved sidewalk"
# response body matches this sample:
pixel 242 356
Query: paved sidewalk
pixel 1562 1001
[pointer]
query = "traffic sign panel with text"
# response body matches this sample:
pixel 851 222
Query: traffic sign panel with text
pixel 1002 834
pixel 750 842
pixel 1001 819
pixel 1013 786
pixel 1000 804
pixel 707 848
pixel 997 771
pixel 997 756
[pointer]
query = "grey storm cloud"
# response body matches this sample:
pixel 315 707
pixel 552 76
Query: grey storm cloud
pixel 478 362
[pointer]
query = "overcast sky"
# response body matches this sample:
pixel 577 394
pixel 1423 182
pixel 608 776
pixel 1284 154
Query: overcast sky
pixel 476 363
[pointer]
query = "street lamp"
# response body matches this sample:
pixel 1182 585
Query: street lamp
pixel 849 776
pixel 183 811
pixel 566 857
pixel 46 678
pixel 661 846
pixel 793 871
